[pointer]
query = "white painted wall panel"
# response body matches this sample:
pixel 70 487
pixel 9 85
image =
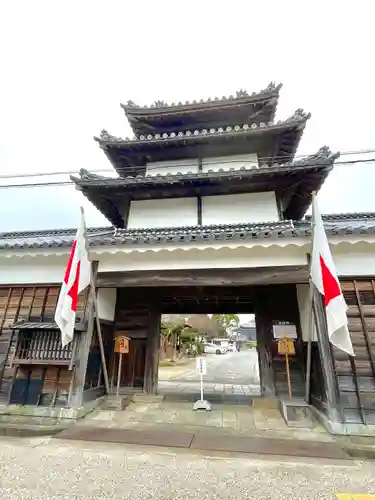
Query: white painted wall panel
pixel 351 260
pixel 32 270
pixel 227 162
pixel 107 303
pixel 354 260
pixel 172 167
pixel 237 208
pixel 205 259
pixel 163 213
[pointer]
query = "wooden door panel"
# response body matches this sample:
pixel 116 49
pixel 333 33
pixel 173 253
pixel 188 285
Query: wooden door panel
pixel 133 364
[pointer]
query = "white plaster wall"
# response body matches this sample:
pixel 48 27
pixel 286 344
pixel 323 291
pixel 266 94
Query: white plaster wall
pixel 351 260
pixel 107 303
pixel 237 162
pixel 163 213
pixel 237 208
pixel 354 260
pixel 304 306
pixel 172 167
pixel 204 259
pixel 34 270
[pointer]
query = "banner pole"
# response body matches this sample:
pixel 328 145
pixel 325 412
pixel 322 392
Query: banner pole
pixel 309 342
pixel 96 311
pixel 100 337
pixel 311 320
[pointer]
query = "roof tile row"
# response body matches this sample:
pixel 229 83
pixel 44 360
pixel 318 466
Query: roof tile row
pixel 105 137
pixel 337 224
pixel 322 157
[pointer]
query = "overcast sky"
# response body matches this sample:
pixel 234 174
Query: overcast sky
pixel 66 66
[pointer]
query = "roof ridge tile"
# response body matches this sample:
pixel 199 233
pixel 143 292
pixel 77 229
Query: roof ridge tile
pixel 240 94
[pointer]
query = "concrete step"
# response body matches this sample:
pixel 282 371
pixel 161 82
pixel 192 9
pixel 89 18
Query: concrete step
pixel 264 403
pixel 148 398
pixel 116 403
pixel 297 413
pixel 19 429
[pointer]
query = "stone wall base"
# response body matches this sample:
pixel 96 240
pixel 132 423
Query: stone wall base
pixel 44 415
pixel 343 429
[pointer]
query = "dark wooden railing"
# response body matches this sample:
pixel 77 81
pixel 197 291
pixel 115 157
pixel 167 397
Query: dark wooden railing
pixel 42 347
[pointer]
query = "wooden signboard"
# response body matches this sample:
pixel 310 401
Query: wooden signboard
pixel 286 346
pixel 121 347
pixel 122 344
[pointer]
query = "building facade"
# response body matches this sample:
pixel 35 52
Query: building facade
pixel 208 216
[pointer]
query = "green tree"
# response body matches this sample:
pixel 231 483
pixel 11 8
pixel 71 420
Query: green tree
pixel 226 321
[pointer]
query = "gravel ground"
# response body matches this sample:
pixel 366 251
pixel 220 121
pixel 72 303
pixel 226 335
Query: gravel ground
pixel 44 468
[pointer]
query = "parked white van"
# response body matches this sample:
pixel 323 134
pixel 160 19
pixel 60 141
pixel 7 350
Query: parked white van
pixel 211 348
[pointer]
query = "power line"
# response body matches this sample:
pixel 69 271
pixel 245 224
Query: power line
pixel 211 162
pixel 71 183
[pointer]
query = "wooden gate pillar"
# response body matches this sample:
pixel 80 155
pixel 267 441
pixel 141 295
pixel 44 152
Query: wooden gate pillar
pixel 334 410
pixel 263 327
pixel 83 348
pixel 152 352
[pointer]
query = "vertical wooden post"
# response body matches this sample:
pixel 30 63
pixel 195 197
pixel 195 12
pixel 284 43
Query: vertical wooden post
pixel 83 348
pixel 119 374
pixel 265 369
pixel 288 375
pixel 152 353
pixel 334 410
pixel 309 343
pixel 100 337
pixel 113 369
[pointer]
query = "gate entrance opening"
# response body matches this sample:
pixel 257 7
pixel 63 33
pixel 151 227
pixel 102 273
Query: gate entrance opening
pixel 139 315
pixel 229 350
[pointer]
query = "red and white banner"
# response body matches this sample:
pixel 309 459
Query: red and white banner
pixel 77 278
pixel 323 275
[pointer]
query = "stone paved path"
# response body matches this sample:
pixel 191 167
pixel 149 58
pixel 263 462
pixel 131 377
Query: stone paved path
pixel 231 373
pixel 223 419
pixel 177 386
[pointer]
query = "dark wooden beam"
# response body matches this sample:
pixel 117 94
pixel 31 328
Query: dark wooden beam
pixel 206 277
pixel 199 210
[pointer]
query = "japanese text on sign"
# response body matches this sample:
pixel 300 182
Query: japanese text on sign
pixel 122 345
pixel 201 366
pixel 283 330
pixel 286 346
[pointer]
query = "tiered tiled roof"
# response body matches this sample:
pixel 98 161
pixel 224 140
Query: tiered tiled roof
pixel 271 89
pixel 302 176
pixel 299 116
pixel 275 141
pixel 166 117
pixel 335 224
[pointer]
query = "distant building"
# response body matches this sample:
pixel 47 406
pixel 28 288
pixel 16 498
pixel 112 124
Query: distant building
pixel 247 331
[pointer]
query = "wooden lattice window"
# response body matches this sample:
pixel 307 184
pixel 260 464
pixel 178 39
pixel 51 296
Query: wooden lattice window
pixel 356 375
